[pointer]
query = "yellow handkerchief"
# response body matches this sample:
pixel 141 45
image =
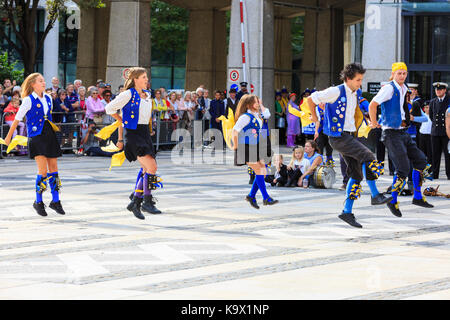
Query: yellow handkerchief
pixel 54 126
pixel 17 140
pixel 106 132
pixel 117 159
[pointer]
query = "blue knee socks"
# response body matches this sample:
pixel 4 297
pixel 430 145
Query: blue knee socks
pixel 416 184
pixel 53 186
pixel 262 186
pixel 40 180
pixel 372 186
pixel 139 189
pixel 394 194
pixel 348 205
pixel 254 189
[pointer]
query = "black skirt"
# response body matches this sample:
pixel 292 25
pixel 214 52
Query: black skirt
pixel 246 153
pixel 138 143
pixel 44 144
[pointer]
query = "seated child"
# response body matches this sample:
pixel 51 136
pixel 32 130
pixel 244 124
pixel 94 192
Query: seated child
pixel 296 167
pixel 280 176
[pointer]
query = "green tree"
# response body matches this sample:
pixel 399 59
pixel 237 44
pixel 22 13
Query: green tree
pixel 20 16
pixel 169 25
pixel 7 70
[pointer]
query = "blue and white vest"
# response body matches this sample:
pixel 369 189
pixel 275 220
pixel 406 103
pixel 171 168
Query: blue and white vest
pixel 391 114
pixel 250 133
pixel 313 157
pixel 265 126
pixel 130 113
pixel 36 116
pixel 321 113
pixel 334 118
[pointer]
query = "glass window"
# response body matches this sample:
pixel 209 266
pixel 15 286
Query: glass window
pixel 441 35
pixel 420 40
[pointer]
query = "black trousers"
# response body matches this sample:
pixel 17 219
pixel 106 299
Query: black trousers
pixel 439 145
pixel 294 175
pixel 381 149
pixel 323 142
pixel 403 151
pixel 425 146
pixel 355 154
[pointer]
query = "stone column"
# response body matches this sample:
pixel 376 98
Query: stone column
pixel 129 43
pixel 206 50
pixel 259 37
pixel 86 62
pixel 283 53
pixel 382 24
pixel 324 48
pixel 51 54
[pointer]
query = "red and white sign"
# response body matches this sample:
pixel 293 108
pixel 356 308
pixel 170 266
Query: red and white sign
pixel 125 73
pixel 252 88
pixel 234 75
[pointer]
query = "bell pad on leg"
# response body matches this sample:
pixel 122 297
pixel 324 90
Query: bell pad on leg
pixel 154 182
pixel 376 167
pixel 355 191
pixel 399 185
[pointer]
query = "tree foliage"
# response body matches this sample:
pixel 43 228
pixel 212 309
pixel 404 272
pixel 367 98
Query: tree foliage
pixel 169 25
pixel 7 70
pixel 20 17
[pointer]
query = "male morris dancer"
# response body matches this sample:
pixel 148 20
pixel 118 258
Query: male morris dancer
pixel 395 121
pixel 343 118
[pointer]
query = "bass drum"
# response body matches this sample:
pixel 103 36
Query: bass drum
pixel 324 177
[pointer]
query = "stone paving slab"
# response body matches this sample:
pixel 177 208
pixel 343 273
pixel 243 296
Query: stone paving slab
pixel 209 243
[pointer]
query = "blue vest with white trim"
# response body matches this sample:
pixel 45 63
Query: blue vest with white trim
pixel 130 112
pixel 334 114
pixel 321 117
pixel 391 114
pixel 36 116
pixel 265 126
pixel 250 133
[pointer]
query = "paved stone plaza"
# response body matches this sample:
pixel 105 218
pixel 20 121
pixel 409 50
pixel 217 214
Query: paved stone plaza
pixel 209 243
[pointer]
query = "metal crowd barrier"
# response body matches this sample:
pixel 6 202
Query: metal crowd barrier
pixel 71 134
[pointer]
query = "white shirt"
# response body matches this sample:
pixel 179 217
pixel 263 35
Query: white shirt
pixel 331 94
pixel 303 165
pixel 386 92
pixel 245 119
pixel 26 105
pixel 425 127
pixel 145 106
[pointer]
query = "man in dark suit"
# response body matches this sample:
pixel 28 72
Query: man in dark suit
pixel 232 101
pixel 242 91
pixel 439 138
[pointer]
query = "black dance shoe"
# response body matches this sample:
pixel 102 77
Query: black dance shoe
pixel 252 202
pixel 149 205
pixel 379 199
pixel 135 207
pixel 422 203
pixel 394 209
pixel 350 219
pixel 269 201
pixel 57 207
pixel 40 208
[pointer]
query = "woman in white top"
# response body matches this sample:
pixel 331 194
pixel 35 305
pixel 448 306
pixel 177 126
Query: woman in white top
pixel 136 105
pixel 246 137
pixel 43 146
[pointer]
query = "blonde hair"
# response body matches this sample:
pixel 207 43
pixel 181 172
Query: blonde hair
pixel 245 102
pixel 133 73
pixel 27 85
pixel 291 163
